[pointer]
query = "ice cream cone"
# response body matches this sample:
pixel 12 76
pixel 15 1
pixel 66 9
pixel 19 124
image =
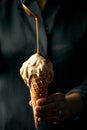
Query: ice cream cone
pixel 37 73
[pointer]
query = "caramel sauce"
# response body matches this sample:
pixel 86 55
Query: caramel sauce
pixel 30 13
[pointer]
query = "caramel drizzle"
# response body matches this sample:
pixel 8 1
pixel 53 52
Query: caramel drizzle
pixel 30 13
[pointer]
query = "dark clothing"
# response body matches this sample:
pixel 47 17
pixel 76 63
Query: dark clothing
pixel 63 39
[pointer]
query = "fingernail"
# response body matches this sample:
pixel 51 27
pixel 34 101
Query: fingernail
pixel 39 119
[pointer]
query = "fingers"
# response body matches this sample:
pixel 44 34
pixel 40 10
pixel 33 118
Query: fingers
pixel 54 120
pixel 53 111
pixel 47 109
pixel 50 99
pixel 52 103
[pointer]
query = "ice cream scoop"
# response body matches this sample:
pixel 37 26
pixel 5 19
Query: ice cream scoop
pixel 39 66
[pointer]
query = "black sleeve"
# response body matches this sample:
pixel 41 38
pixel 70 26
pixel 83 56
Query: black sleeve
pixel 82 90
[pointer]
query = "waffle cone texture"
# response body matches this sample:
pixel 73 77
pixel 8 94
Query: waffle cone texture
pixel 38 89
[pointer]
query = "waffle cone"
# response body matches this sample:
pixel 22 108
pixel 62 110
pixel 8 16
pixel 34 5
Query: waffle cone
pixel 38 89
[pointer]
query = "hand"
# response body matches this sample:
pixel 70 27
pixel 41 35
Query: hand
pixel 53 109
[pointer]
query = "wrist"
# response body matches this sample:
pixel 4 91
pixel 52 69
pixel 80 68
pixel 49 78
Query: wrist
pixel 74 104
